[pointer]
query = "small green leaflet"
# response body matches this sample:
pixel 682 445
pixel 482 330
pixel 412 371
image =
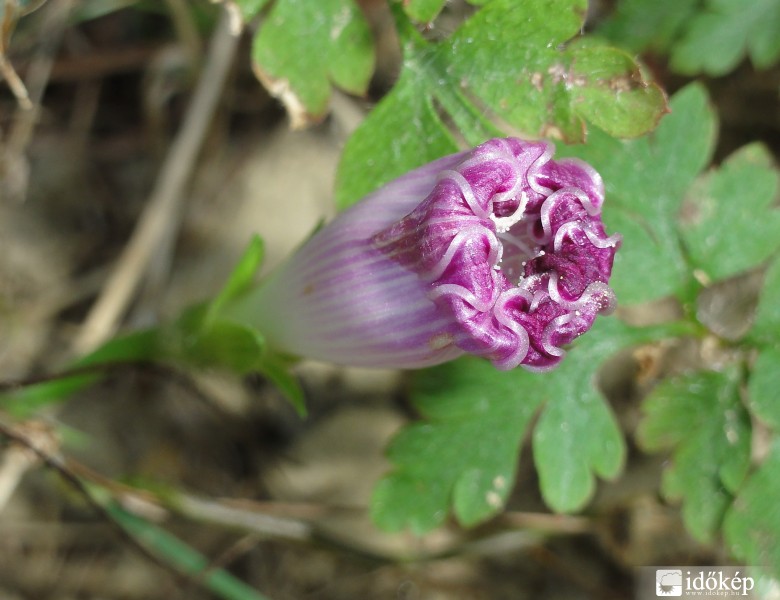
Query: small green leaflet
pixel 719 36
pixel 701 419
pixel 645 182
pixel 510 64
pixel 462 457
pixel 729 223
pixel 752 525
pixel 242 276
pixel 204 336
pixel 303 48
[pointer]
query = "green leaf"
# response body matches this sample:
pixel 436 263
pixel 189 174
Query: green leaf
pixel 240 279
pixel 463 455
pixel 764 386
pixel 615 95
pixel 133 347
pixel 701 419
pixel 183 557
pixel 219 343
pixel 509 64
pixel 201 340
pixel 645 181
pixel 729 224
pixel 305 47
pixel 423 11
pixel 577 436
pixel 752 524
pixel 639 25
pixel 277 370
pixel 718 37
pixel 766 325
pixel 389 146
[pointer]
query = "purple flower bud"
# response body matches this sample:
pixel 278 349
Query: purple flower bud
pixel 499 252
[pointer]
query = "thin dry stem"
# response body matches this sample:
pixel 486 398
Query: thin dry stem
pixel 161 215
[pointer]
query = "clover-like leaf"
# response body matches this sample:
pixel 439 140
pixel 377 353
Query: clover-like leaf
pixel 303 48
pixel 462 457
pixel 646 180
pixel 511 63
pixel 700 418
pixel 729 224
pixel 752 524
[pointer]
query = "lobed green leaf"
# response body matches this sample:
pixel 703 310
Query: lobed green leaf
pixel 510 66
pixel 701 419
pixel 462 457
pixel 304 48
pixel 577 436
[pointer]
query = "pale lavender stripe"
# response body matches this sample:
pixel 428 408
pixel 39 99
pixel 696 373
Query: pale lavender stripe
pixel 332 275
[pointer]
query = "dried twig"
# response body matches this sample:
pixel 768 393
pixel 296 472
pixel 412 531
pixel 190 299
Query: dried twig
pixel 13 163
pixel 18 458
pixel 49 457
pixel 15 83
pixel 160 217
